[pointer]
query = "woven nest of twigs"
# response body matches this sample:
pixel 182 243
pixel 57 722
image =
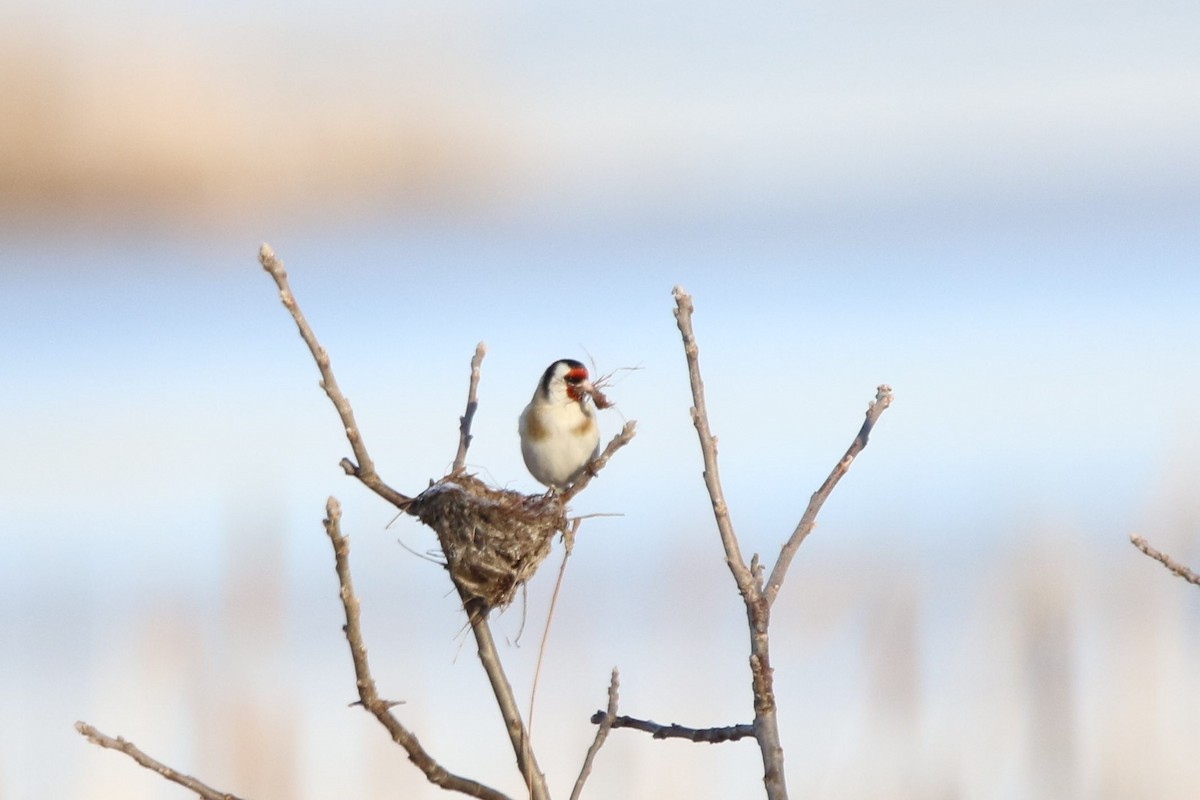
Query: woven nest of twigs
pixel 493 539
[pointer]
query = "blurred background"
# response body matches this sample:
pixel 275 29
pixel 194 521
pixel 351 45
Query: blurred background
pixel 991 206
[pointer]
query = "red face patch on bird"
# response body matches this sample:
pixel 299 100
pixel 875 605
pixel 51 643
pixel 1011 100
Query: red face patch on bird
pixel 575 378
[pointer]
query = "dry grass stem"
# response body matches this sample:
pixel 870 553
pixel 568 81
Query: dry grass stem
pixel 130 749
pixel 596 392
pixel 568 544
pixel 602 382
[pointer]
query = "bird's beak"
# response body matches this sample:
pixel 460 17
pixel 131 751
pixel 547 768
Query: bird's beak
pixel 581 390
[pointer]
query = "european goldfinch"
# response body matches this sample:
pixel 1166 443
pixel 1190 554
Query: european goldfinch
pixel 558 428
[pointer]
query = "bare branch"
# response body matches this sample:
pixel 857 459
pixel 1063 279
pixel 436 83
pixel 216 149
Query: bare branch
pixel 130 749
pixel 605 724
pixel 620 440
pixel 368 694
pixel 477 613
pixel 464 422
pixel 765 729
pixel 1164 559
pixel 365 469
pixel 476 610
pixel 730 733
pixel 757 597
pixel 883 399
pixel 708 448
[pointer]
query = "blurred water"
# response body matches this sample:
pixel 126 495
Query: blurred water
pixel 969 618
pixel 991 209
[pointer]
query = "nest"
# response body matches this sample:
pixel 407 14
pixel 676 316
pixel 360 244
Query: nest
pixel 493 539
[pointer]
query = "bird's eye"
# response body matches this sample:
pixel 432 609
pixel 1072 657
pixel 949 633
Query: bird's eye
pixel 573 379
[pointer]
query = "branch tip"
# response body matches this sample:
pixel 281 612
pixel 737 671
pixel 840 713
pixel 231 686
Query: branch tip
pixel 366 468
pixel 598 463
pixel 605 725
pixel 464 422
pixel 808 521
pixel 1171 564
pixel 127 747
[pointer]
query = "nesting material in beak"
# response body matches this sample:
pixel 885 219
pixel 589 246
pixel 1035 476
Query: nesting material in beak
pixel 597 396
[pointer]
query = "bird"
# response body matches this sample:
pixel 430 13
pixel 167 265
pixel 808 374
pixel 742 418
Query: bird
pixel 559 436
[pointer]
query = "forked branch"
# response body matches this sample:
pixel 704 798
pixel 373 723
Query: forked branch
pixel 756 597
pixel 365 472
pixel 368 694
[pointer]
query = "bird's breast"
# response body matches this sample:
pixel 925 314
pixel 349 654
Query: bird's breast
pixel 534 424
pixel 586 427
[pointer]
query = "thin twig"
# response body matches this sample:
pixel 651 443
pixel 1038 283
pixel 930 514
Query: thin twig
pixel 708 447
pixel 365 469
pixel 464 422
pixel 883 399
pixel 730 733
pixel 620 440
pixel 1164 559
pixel 368 694
pixel 130 749
pixel 605 725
